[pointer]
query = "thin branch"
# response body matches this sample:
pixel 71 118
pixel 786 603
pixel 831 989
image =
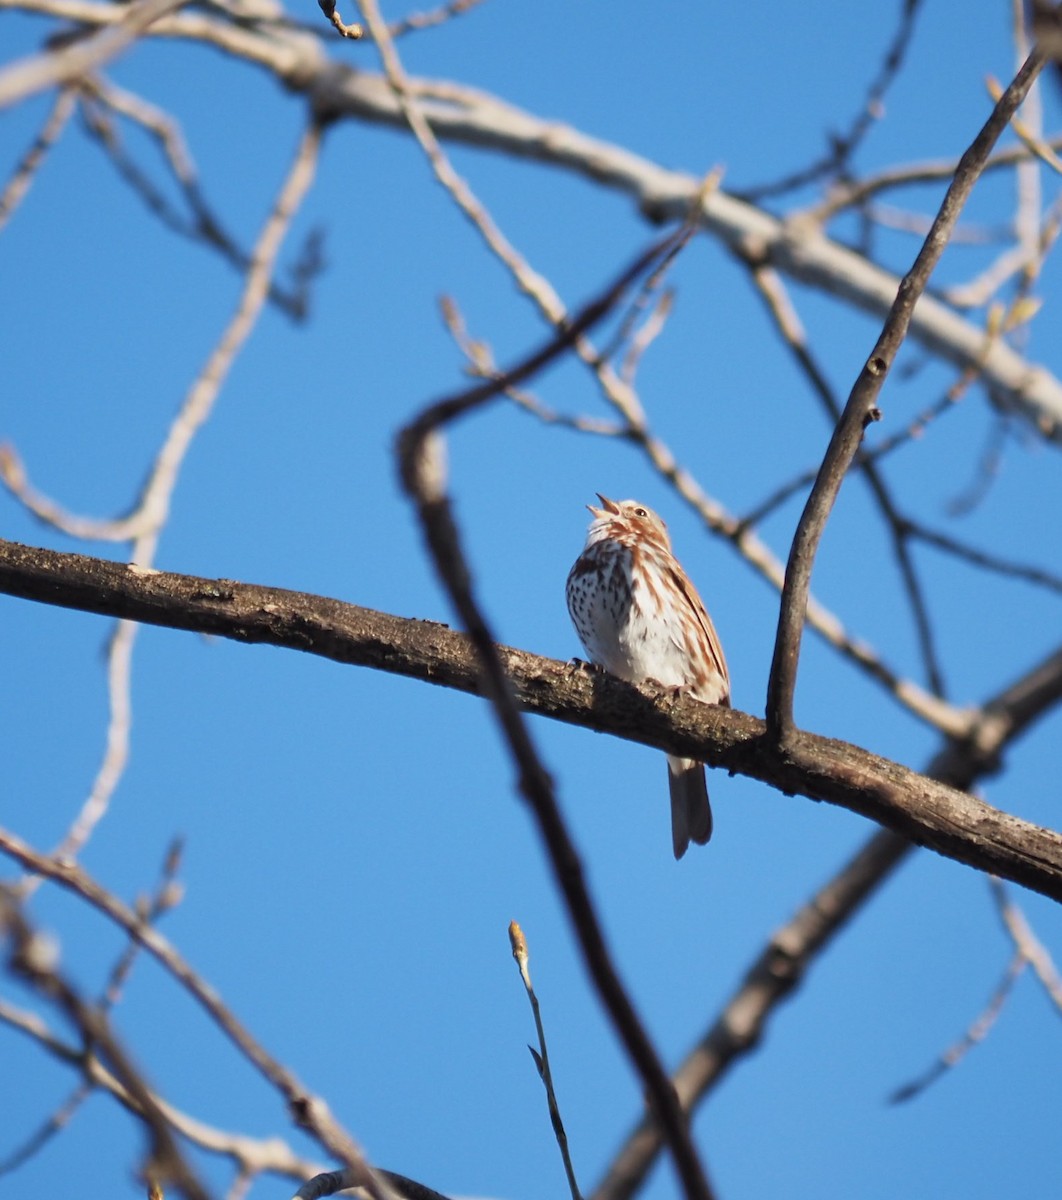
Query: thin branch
pixel 34 959
pixel 1029 134
pixel 852 193
pixel 981 558
pixel 435 16
pixel 100 97
pixel 116 743
pixel 144 525
pixel 975 1033
pixel 781 309
pixel 1028 950
pixel 860 409
pixel 328 1183
pixel 874 452
pixel 309 1111
pixel 331 11
pixel 843 146
pixel 481 365
pixel 521 956
pixel 166 896
pixel 1027 944
pixel 254 1156
pixel 985 473
pixel 647 333
pixel 52 1125
pixel 528 280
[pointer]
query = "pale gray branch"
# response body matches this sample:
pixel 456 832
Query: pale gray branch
pixel 797 248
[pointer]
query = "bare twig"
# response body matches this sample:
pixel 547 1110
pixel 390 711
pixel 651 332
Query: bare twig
pixel 914 429
pixel 976 1032
pixel 55 1123
pixel 435 16
pixel 1026 943
pixel 331 11
pixel 854 192
pixel 843 146
pixel 328 1183
pixel 100 97
pixel 482 366
pixel 651 328
pixel 1028 131
pixel 143 524
pixel 1028 951
pixel 985 472
pixel 981 558
pixel 166 896
pixel 253 1156
pixel 541 1056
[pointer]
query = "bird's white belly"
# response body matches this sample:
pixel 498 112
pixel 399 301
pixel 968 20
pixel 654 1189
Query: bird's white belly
pixel 635 644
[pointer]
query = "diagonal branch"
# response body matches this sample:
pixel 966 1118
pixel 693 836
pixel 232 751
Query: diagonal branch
pixel 792 950
pixel 421 462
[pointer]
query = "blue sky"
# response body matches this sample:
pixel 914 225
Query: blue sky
pixel 355 849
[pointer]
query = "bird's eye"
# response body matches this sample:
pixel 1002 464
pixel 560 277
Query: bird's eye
pixel 640 512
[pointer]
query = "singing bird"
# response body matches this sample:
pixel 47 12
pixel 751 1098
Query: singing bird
pixel 639 616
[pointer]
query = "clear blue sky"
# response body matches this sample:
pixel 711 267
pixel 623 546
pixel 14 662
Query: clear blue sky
pixel 355 848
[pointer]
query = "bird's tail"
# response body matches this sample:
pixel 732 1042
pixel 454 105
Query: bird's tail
pixel 691 814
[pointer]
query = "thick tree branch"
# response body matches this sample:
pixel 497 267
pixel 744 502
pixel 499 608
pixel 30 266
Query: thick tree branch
pixel 927 812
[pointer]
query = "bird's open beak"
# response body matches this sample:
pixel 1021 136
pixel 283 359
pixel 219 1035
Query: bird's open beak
pixel 611 508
